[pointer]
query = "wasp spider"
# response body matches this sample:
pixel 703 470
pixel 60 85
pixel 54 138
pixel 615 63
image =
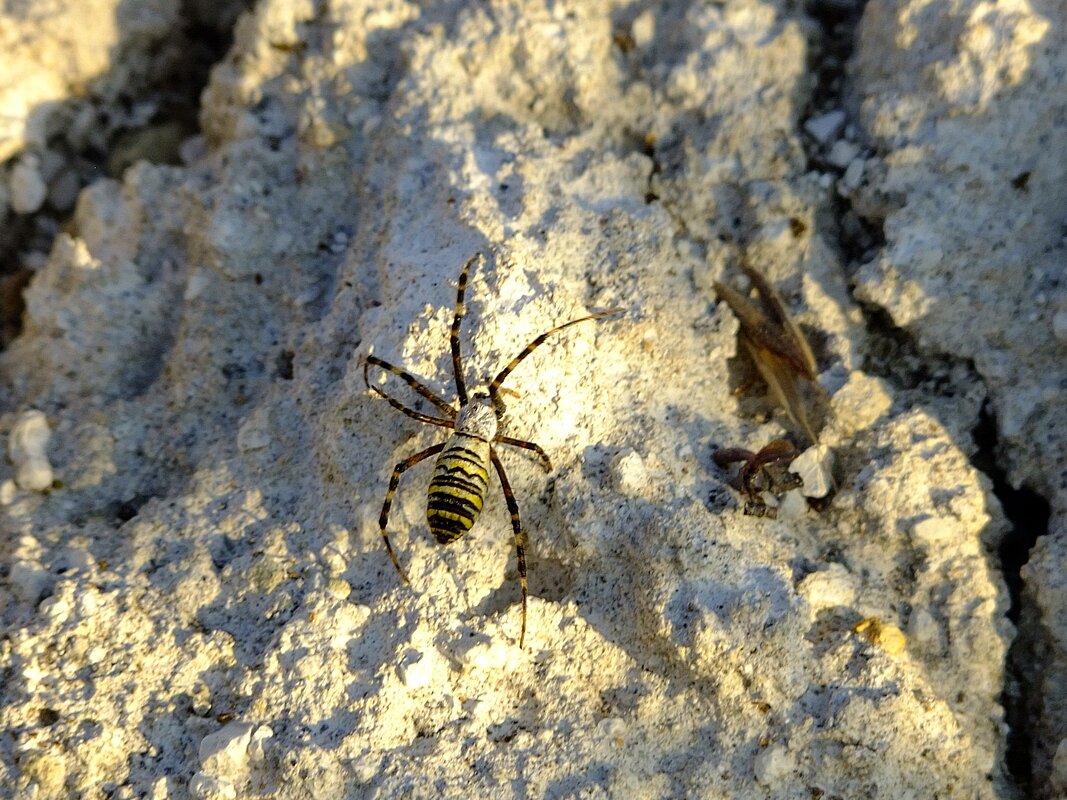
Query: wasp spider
pixel 461 474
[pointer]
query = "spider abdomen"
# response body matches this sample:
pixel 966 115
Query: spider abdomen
pixel 457 489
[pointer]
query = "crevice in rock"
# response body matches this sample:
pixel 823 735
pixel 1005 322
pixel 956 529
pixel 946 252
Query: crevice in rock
pixel 147 119
pixel 1028 514
pixel 895 355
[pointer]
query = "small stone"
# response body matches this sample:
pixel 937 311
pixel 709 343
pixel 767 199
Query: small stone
pixel 832 587
pixel 225 752
pixel 339 588
pixel 63 190
pixel 934 530
pixel 199 280
pixel 56 609
pixel 773 766
pixel 1059 325
pixel 1059 767
pixel 815 468
pixel 192 149
pixel 45 771
pixel 852 178
pixel 861 402
pixel 643 28
pixel 611 728
pixel 416 672
pixel 923 628
pixel 29 580
pixel 843 153
pixel 792 505
pixel 206 787
pixel 256 747
pixel 630 474
pixel 363 770
pixel 27 448
pixel 254 433
pixel 487 655
pixel 826 127
pixel 28 189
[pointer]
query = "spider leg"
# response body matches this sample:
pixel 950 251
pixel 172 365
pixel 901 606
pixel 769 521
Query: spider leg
pixel 394 481
pixel 444 423
pixel 520 537
pixel 414 383
pixel 494 387
pixel 546 462
pixel 453 337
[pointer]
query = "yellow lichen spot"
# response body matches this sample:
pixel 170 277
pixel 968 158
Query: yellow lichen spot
pixel 887 636
pixel 45 771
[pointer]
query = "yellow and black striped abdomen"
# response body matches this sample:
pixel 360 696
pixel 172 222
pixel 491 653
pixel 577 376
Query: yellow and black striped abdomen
pixel 460 478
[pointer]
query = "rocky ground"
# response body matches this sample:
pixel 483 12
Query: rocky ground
pixel 196 601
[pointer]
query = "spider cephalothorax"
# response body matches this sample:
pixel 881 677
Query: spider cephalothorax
pixel 461 472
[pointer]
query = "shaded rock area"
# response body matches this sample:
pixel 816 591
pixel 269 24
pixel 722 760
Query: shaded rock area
pixel 198 603
pixel 965 105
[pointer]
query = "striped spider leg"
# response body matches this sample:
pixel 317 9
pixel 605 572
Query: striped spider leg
pixel 461 471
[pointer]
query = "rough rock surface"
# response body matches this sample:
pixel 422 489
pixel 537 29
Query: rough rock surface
pixel 965 103
pixel 201 605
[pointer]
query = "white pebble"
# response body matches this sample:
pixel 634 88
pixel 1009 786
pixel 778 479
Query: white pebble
pixel 28 189
pixel 773 765
pixel 63 190
pixel 205 787
pixel 8 489
pixel 934 530
pixel 363 770
pixel 611 728
pixel 339 588
pixel 199 280
pixel 643 28
pixel 842 153
pixel 57 609
pixel 192 149
pixel 923 628
pixel 27 448
pixel 416 671
pixel 492 656
pixel 852 178
pixel 792 506
pixel 256 747
pixel 860 403
pixel 29 580
pixel 815 468
pixel 828 588
pixel 630 474
pixel 225 752
pixel 827 126
pixel 254 433
pixel 1059 325
pixel 1059 767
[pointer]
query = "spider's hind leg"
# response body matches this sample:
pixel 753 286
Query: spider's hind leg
pixel 519 536
pixel 542 456
pixel 394 481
